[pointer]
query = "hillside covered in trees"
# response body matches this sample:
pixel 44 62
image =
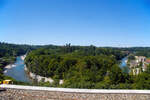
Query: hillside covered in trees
pixel 79 66
pixel 87 67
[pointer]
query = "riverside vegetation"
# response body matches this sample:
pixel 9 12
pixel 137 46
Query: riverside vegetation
pixel 78 66
pixel 8 54
pixel 86 67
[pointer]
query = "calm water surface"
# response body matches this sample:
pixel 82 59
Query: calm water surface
pixel 17 71
pixel 124 66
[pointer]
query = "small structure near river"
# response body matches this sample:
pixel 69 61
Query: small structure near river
pixel 138 65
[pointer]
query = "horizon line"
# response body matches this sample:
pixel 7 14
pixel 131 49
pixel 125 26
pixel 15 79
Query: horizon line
pixel 75 45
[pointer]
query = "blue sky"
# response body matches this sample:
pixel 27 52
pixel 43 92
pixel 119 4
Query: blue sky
pixel 79 22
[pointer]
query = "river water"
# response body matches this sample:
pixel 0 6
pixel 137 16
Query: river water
pixel 124 66
pixel 17 71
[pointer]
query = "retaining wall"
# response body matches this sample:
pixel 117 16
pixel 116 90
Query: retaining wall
pixel 17 92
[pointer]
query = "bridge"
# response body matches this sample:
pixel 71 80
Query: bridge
pixel 18 92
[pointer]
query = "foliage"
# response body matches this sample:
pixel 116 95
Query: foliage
pixel 78 66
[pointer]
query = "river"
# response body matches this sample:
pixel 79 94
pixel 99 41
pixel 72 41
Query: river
pixel 17 71
pixel 124 66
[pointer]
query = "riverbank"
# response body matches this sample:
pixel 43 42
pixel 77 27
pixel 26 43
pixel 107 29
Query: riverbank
pixel 19 71
pixel 9 66
pixel 23 57
pixel 38 78
pixel 16 70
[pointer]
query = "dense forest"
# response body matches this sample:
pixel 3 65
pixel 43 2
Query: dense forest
pixel 79 66
pixel 87 67
pixel 138 51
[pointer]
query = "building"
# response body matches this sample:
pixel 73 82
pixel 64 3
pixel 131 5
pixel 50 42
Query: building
pixel 140 59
